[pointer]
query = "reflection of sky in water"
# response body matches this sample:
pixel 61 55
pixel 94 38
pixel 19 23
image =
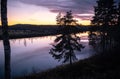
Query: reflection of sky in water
pixel 31 54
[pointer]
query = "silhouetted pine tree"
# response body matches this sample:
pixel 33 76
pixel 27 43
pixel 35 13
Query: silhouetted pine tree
pixel 68 18
pixel 105 13
pixel 119 14
pixel 118 29
pixel 58 19
pixel 65 47
pixel 66 22
pixel 5 38
pixel 66 44
pixel 105 16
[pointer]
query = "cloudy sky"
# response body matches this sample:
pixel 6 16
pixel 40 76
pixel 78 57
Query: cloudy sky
pixel 45 11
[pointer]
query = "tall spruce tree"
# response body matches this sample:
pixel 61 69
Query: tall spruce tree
pixel 66 43
pixel 105 16
pixel 105 13
pixel 66 20
pixel 119 14
pixel 69 18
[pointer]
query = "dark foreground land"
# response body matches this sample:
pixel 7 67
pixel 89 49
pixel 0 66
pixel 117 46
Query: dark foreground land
pixel 102 66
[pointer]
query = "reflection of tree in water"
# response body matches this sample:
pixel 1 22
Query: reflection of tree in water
pixel 25 43
pixel 92 38
pixel 101 41
pixel 7 52
pixel 65 46
pixel 97 41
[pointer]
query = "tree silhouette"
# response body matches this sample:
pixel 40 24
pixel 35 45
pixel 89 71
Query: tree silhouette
pixel 119 14
pixel 65 46
pixel 5 38
pixel 58 19
pixel 117 32
pixel 66 20
pixel 92 38
pixel 105 13
pixel 105 16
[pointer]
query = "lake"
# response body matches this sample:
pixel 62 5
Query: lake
pixel 30 55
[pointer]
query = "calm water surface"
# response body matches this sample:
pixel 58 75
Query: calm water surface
pixel 32 54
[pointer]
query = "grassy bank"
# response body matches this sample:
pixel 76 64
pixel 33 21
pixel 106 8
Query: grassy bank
pixel 102 66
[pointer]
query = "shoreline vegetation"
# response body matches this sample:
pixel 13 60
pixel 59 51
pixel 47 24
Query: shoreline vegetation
pixel 26 30
pixel 100 66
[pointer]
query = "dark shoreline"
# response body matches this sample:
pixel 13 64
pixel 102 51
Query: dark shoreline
pixel 100 66
pixel 29 36
pixel 26 31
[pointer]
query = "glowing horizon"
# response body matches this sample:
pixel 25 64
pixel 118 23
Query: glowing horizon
pixel 33 12
pixel 13 22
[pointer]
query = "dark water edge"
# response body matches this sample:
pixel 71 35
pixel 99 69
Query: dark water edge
pixel 14 36
pixel 28 36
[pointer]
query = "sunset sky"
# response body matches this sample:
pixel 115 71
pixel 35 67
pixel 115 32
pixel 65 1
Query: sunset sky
pixel 44 12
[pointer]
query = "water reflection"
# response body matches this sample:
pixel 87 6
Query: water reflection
pixel 92 38
pixel 101 41
pixel 27 41
pixel 64 47
pixel 7 63
pixel 35 55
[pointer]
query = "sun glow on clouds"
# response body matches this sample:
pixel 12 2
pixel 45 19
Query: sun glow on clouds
pixel 21 13
pixel 84 22
pixel 32 12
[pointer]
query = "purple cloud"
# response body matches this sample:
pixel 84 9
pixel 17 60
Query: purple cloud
pixel 84 16
pixel 78 6
pixel 56 6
